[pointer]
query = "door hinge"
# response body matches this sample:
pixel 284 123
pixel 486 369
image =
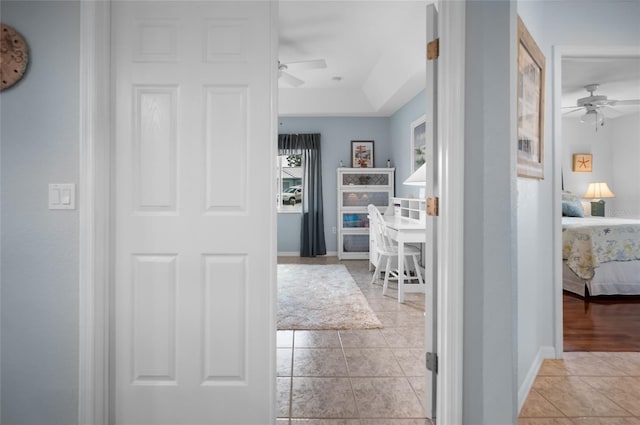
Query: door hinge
pixel 432 362
pixel 433 49
pixel 433 208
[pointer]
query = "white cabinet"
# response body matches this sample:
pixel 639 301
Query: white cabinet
pixel 357 188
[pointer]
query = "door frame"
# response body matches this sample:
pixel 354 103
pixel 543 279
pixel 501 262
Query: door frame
pixel 560 52
pixel 94 210
pixel 450 244
pixel 95 239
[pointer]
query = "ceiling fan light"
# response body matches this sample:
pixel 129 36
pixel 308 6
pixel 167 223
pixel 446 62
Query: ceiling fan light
pixel 592 117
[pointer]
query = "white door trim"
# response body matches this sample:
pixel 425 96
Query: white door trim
pixel 451 88
pixel 93 202
pixel 431 224
pixel 558 53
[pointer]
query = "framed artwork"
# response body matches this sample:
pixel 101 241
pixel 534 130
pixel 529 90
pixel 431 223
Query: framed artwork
pixel 582 162
pixel 362 153
pixel 531 87
pixel 418 143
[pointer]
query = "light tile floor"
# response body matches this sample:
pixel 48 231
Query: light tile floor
pixel 355 377
pixel 585 389
pixel 375 377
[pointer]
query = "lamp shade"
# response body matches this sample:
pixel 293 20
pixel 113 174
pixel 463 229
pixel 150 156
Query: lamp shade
pixel 419 177
pixel 598 190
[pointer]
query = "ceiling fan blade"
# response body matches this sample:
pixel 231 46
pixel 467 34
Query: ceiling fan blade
pixel 290 79
pixel 610 112
pixel 308 64
pixel 625 102
pixel 573 111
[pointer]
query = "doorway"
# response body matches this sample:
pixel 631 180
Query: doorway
pixel 588 324
pixel 359 357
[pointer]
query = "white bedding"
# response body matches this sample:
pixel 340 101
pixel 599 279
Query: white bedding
pixel 608 278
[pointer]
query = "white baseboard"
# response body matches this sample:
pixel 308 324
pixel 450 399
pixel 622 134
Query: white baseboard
pixel 297 254
pixel 546 352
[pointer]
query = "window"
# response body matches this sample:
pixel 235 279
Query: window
pixel 289 175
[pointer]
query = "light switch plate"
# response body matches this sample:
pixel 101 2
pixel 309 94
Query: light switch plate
pixel 62 196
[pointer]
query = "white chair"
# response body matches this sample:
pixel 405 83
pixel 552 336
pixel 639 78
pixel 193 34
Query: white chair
pixel 387 248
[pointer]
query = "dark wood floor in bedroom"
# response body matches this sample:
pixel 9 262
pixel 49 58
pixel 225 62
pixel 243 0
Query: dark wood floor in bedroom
pixel 601 324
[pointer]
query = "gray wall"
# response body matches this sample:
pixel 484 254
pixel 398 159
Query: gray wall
pixel 566 23
pixel 336 136
pixel 626 173
pixel 401 141
pixel 616 154
pixel 39 269
pixel 392 141
pixel 489 358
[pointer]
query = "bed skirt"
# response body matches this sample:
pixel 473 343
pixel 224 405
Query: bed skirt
pixel 613 278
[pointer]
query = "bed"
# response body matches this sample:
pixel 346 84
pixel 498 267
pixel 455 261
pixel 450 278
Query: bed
pixel 601 255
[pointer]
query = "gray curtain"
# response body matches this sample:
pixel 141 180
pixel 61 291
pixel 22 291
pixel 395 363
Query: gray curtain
pixel 312 241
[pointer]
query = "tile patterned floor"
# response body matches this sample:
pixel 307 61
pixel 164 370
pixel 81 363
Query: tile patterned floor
pixel 355 377
pixel 375 377
pixel 585 389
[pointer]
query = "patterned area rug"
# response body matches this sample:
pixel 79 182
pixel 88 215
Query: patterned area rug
pixel 321 297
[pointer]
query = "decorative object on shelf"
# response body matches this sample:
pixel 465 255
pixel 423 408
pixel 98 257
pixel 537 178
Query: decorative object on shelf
pixel 531 87
pixel 14 56
pixel 362 153
pixel 582 162
pixel 596 191
pixel 418 142
pixel 364 179
pixel 341 164
pixel 418 178
pixel 388 163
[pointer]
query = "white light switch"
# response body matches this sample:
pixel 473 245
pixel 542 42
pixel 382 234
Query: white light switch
pixel 62 196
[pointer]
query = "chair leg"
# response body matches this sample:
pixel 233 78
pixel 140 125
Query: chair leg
pixel 407 270
pixel 376 273
pixel 386 276
pixel 417 265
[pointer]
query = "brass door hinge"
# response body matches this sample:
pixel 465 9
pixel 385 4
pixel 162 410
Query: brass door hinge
pixel 432 207
pixel 433 49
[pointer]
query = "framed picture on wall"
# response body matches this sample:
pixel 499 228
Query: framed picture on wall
pixel 582 162
pixel 362 153
pixel 418 143
pixel 531 86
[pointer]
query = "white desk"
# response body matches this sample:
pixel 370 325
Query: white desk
pixel 404 230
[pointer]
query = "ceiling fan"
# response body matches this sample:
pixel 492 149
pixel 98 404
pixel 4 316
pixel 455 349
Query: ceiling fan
pixel 303 65
pixel 597 107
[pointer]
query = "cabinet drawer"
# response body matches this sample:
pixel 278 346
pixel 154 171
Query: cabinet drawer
pixel 355 243
pixel 355 220
pixel 366 179
pixel 362 199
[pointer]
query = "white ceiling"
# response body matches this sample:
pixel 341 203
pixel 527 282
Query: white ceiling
pixel 376 47
pixel 619 79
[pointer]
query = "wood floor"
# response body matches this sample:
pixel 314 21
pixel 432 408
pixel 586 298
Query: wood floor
pixel 601 324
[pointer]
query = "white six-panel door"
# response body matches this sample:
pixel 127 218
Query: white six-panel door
pixel 194 245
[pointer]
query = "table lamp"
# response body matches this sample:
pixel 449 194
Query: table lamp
pixel 595 192
pixel 418 178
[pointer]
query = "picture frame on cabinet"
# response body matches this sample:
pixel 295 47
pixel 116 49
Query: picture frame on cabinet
pixel 362 154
